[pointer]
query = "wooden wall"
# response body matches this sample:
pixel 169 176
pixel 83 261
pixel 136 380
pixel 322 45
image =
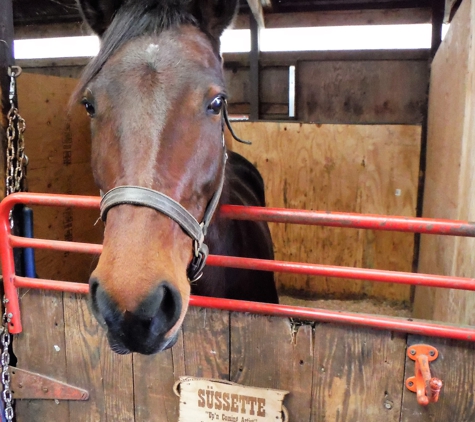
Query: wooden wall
pixel 334 373
pixel 450 170
pixel 348 168
pixel 370 91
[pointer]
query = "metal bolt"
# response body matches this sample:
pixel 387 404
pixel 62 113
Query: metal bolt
pixel 432 353
pixel 9 315
pixel 413 352
pixel 388 405
pixel 410 383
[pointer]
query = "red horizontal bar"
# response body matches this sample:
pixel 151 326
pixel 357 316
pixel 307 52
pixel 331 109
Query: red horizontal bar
pixel 50 200
pixel 57 245
pixel 344 272
pixel 374 321
pixel 428 280
pixel 280 215
pixel 410 326
pixel 44 284
pixel 349 220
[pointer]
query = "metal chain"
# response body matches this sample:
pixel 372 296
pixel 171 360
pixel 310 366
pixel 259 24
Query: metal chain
pixel 16 161
pixel 5 338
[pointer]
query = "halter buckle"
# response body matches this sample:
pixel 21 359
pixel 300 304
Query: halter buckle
pixel 198 262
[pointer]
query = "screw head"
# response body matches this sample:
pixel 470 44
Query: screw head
pixel 410 383
pixel 432 353
pixel 412 352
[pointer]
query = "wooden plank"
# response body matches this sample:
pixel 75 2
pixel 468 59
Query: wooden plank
pixel 206 343
pixel 358 374
pixel 340 18
pixel 450 171
pixel 360 168
pixel 263 354
pixel 456 367
pixel 154 377
pixel 361 92
pixel 274 84
pixel 282 58
pixel 41 348
pixel 106 375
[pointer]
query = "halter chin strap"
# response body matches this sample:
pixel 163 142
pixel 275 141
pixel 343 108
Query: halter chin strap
pixel 140 196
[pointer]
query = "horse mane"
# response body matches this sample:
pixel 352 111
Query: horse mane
pixel 133 19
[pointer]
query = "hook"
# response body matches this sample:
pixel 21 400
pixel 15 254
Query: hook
pixel 426 387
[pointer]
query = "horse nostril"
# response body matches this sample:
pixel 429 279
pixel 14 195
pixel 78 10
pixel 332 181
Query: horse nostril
pixel 161 309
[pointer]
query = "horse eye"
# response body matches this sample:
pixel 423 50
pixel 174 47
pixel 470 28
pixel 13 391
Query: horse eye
pixel 216 105
pixel 91 111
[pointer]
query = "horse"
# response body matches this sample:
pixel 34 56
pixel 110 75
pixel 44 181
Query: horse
pixel 156 97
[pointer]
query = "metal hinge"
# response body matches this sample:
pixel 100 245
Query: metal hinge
pixel 30 385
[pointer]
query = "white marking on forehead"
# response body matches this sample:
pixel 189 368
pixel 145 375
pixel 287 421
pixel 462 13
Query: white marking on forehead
pixel 152 49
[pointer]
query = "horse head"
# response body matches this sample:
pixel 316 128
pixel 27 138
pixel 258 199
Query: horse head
pixel 155 94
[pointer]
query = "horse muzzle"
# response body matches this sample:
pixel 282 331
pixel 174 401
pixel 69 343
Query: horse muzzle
pixel 148 328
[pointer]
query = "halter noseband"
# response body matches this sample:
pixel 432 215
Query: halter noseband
pixel 140 196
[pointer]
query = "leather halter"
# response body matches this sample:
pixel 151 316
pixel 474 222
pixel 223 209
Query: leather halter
pixel 140 196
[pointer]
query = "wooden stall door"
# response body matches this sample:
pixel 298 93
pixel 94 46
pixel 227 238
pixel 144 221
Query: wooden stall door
pixel 334 373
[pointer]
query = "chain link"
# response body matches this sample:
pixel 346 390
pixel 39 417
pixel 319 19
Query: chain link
pixel 5 339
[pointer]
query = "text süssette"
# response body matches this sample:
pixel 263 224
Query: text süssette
pixel 235 403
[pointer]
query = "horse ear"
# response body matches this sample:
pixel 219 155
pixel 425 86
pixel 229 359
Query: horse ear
pixel 99 13
pixel 214 16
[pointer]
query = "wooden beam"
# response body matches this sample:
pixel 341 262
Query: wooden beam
pixel 438 9
pixel 254 69
pixel 341 18
pixel 289 58
pixel 257 12
pixel 451 6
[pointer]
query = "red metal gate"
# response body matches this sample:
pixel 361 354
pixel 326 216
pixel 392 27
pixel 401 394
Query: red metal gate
pixel 375 222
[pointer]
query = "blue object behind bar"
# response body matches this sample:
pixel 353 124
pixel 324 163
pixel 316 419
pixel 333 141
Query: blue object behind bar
pixel 29 253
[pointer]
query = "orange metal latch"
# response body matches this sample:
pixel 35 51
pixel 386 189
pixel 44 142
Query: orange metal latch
pixel 423 384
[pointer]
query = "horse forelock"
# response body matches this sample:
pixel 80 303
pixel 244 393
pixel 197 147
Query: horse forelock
pixel 134 19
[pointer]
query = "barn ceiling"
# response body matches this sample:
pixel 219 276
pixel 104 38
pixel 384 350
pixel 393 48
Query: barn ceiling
pixel 27 12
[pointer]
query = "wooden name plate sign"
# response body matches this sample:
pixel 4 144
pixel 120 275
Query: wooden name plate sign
pixel 204 400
